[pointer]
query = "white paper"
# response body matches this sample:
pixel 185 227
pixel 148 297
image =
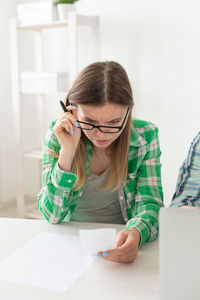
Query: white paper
pixel 96 240
pixel 51 261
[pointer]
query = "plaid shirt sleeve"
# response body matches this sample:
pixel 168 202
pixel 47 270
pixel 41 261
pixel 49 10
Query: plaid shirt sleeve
pixel 53 199
pixel 188 184
pixel 149 196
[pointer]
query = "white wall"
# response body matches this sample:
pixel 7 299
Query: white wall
pixel 158 42
pixel 7 163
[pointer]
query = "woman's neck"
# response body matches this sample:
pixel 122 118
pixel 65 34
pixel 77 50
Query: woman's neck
pixel 100 151
pixel 100 161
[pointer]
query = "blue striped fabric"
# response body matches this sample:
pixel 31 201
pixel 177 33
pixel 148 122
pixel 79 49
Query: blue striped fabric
pixel 188 184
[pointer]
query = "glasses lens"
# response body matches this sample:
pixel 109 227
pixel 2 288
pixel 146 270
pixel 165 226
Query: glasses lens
pixel 109 130
pixel 85 126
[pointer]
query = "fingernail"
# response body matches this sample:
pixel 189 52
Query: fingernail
pixel 72 132
pixel 99 255
pixel 106 254
pixel 76 124
pixel 74 107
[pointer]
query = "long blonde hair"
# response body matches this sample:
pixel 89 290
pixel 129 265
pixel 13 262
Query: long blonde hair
pixel 98 84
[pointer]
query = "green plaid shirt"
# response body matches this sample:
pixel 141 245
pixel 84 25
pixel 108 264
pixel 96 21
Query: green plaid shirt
pixel 140 195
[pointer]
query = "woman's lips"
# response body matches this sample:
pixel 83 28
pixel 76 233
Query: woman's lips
pixel 102 141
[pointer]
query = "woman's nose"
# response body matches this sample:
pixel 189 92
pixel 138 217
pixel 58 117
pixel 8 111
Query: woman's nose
pixel 99 133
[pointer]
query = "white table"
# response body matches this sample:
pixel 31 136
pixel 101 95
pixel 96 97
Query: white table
pixel 103 280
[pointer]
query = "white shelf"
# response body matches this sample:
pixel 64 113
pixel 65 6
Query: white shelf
pixel 33 153
pixel 43 25
pixel 44 82
pixel 87 20
pixel 18 77
pixel 81 21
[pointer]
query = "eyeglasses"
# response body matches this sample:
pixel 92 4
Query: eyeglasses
pixel 105 129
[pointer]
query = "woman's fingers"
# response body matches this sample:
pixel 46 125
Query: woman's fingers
pixel 122 259
pixel 63 125
pixel 189 207
pixel 127 247
pixel 121 238
pixel 66 122
pixel 71 117
pixel 66 130
pixel 71 108
pixel 116 255
pixel 68 127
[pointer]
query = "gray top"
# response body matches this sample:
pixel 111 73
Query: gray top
pixel 96 205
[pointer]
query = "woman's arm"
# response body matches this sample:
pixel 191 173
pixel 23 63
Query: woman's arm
pixel 57 185
pixel 149 195
pixel 149 198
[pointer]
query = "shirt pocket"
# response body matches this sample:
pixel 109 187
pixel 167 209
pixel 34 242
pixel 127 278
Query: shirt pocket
pixel 131 177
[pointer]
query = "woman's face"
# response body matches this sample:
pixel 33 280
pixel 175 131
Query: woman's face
pixel 108 115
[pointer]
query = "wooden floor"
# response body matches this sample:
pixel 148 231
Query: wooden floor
pixel 10 211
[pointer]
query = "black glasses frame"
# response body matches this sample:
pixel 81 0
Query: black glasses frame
pixel 99 127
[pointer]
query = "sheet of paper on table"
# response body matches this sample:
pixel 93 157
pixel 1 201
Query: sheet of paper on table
pixel 51 261
pixel 96 240
pixel 55 261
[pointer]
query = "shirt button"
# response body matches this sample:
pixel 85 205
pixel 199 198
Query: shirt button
pixel 69 181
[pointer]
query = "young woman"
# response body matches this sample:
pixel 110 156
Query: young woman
pixel 100 165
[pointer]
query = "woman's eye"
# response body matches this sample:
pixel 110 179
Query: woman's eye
pixel 114 122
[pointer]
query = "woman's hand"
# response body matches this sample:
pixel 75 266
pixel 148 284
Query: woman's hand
pixel 68 135
pixel 66 130
pixel 127 247
pixel 189 207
